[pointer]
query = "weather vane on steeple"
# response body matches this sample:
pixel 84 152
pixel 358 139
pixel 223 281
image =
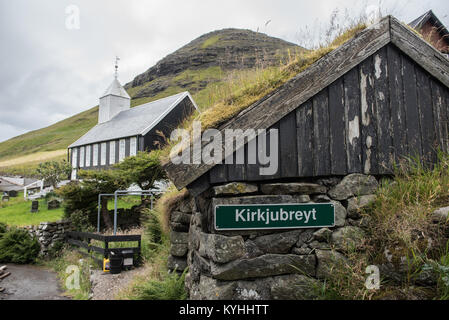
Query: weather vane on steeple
pixel 116 65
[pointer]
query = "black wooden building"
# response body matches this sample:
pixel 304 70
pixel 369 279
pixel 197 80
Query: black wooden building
pixel 380 97
pixel 123 131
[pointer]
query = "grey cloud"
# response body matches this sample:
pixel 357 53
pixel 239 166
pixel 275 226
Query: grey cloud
pixel 49 73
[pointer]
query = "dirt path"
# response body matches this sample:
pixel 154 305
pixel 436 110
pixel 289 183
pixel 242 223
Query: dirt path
pixel 106 286
pixel 28 282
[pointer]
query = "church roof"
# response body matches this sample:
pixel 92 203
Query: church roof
pixel 116 89
pixel 132 122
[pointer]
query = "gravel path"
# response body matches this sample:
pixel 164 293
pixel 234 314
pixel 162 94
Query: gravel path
pixel 106 286
pixel 28 282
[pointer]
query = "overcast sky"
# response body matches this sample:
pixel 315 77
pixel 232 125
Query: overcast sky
pixel 50 72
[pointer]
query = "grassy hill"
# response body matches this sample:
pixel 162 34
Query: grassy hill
pixel 203 67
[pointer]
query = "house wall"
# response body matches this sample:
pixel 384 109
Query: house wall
pixel 146 142
pixel 170 122
pixel 381 111
pixel 108 152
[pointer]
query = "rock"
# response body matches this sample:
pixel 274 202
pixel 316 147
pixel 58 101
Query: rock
pixel 185 206
pixel 180 217
pixel 321 198
pixel 266 199
pixel 340 214
pixel 252 250
pixel 441 215
pixel 354 185
pixel 179 227
pixel 329 182
pixel 294 287
pixel 305 236
pixel 194 237
pixel 323 235
pixel 392 272
pixel 265 266
pixel 302 250
pixel 319 245
pixel 356 204
pixel 327 261
pixel 278 242
pixel 179 237
pixel 235 188
pixel 175 263
pixel 178 250
pixel 347 237
pixel 292 188
pixel 303 198
pixel 221 249
pixel 257 289
pixel 211 289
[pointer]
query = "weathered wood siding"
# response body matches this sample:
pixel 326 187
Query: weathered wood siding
pixel 382 110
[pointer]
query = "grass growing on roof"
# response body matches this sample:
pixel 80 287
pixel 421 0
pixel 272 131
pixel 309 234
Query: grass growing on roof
pixel 241 89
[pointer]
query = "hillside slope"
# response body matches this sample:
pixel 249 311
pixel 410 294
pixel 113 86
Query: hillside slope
pixel 199 67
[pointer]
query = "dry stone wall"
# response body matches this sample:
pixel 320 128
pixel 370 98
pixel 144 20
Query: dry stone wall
pixel 49 233
pixel 267 264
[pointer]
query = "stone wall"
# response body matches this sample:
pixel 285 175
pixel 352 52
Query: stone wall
pixel 273 264
pixel 266 264
pixel 179 219
pixel 49 233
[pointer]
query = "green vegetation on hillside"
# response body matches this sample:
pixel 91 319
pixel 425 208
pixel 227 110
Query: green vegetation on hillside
pixel 202 67
pixel 54 137
pixel 210 41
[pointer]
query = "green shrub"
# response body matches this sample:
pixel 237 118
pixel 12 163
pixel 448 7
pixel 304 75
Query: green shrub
pixel 77 197
pixel 81 221
pixel 2 229
pixel 153 228
pixel 17 246
pixel 171 287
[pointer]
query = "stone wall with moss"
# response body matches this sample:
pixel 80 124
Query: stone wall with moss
pixel 270 264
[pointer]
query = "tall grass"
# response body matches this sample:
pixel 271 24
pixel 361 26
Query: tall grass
pixel 63 264
pixel 400 222
pixel 241 89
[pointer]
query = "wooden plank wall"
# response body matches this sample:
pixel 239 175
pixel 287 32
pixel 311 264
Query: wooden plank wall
pixel 385 108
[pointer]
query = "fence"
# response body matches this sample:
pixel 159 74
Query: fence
pixel 83 240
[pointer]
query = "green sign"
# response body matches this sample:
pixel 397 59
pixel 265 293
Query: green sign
pixel 274 216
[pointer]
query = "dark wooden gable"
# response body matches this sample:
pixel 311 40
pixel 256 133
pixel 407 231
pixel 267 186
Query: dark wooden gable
pixel 382 110
pixel 380 96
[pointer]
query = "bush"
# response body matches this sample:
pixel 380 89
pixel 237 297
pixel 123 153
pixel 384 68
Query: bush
pixel 2 229
pixel 153 228
pixel 77 197
pixel 17 246
pixel 81 221
pixel 171 287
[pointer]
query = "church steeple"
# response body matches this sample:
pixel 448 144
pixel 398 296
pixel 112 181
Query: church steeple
pixel 114 100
